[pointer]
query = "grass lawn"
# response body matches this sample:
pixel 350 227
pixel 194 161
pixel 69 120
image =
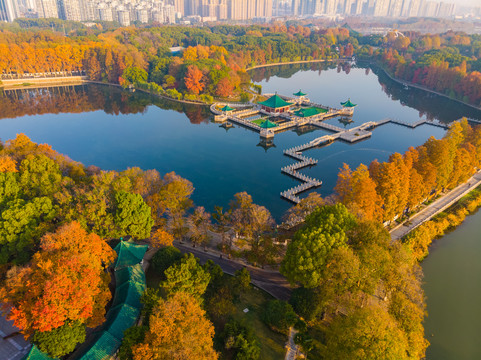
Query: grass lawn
pixel 258 121
pixel 272 343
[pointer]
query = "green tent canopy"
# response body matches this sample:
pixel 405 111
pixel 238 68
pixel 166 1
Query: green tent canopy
pixel 267 124
pixel 129 254
pixel 275 102
pixel 299 93
pixel 226 108
pixel 348 103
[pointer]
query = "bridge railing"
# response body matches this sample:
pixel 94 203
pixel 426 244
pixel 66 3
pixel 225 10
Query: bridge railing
pixel 42 75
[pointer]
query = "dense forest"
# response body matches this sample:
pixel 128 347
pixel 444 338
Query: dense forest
pixel 215 58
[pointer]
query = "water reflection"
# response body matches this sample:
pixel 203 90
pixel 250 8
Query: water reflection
pixel 86 98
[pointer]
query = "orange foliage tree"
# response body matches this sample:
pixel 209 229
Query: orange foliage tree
pixel 65 281
pixel 178 330
pixel 193 80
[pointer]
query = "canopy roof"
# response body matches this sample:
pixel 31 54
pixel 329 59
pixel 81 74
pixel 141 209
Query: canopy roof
pixel 275 102
pixel 227 108
pixel 299 93
pixel 36 354
pixel 129 254
pixel 309 112
pixel 348 103
pixel 267 124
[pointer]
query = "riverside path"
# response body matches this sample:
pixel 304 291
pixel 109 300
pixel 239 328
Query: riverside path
pixel 436 207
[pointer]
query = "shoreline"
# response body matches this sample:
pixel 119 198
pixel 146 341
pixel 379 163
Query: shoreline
pixel 296 62
pixel 423 88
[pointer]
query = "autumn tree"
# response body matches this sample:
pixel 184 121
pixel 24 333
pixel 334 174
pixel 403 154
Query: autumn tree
pixel 178 330
pixel 161 238
pixel 193 80
pixel 369 333
pixel 199 224
pixel 63 283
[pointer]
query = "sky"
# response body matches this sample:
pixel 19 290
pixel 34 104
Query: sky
pixel 465 2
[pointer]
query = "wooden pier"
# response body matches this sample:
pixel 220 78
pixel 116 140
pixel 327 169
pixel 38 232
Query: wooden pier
pixel 352 135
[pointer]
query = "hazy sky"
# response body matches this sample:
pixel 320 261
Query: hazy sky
pixel 465 2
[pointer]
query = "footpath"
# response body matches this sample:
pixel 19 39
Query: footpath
pixel 436 207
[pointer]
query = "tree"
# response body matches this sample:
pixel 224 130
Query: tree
pixel 63 283
pixel 279 315
pixel 135 75
pixel 193 79
pixel 60 341
pixel 241 339
pixel 306 302
pixel 369 333
pixel 224 88
pixel 188 277
pixel 132 336
pixel 199 224
pixel 324 230
pixel 298 213
pixel 178 330
pixel 165 258
pixel 7 164
pixel 132 216
pixel 161 238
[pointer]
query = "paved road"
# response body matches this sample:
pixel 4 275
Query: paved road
pixel 436 207
pixel 270 281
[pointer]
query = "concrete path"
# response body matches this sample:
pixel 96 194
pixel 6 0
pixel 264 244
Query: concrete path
pixel 436 207
pixel 291 346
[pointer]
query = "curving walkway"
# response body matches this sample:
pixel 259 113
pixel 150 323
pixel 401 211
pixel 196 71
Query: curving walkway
pixel 436 207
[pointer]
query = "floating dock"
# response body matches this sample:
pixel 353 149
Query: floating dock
pixel 352 135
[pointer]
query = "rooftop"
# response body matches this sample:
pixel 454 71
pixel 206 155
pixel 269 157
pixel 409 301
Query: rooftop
pixel 348 103
pixel 275 102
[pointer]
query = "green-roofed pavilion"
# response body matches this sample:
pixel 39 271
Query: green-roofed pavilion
pixel 275 104
pixel 348 104
pixel 227 108
pixel 267 124
pixel 129 293
pixel 120 318
pixel 106 345
pixel 299 94
pixel 36 354
pixel 129 254
pixel 130 273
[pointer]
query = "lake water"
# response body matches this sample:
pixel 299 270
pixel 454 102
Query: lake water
pixel 452 275
pixel 112 129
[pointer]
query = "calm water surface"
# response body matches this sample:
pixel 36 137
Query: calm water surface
pixel 103 126
pixel 452 275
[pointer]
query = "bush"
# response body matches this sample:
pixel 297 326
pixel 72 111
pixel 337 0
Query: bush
pixel 207 98
pixel 132 336
pixel 279 316
pixel 174 94
pixel 241 340
pixel 60 341
pixel 165 258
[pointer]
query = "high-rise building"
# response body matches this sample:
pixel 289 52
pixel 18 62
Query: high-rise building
pixel 70 10
pixel 179 6
pixel 8 10
pixel 47 8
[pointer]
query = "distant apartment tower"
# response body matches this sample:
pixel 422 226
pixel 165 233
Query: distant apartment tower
pixel 123 16
pixel 46 8
pixel 8 10
pixel 70 10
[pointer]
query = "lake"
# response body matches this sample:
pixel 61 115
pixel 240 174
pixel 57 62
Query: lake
pixel 104 126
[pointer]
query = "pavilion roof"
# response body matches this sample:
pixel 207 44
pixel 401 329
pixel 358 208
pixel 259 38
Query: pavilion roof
pixel 299 93
pixel 348 103
pixel 275 102
pixel 227 108
pixel 128 254
pixel 267 124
